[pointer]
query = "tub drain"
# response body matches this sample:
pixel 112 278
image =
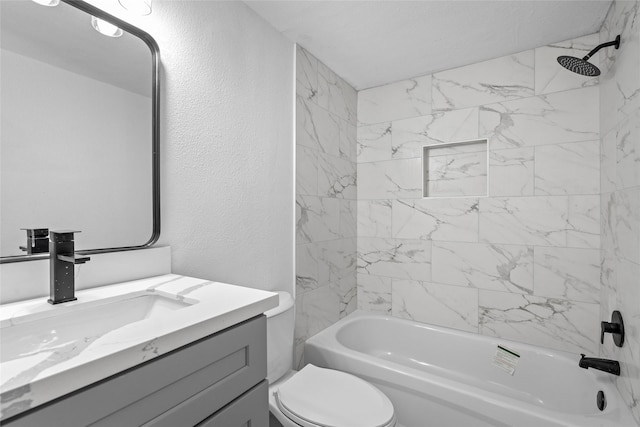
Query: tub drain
pixel 601 400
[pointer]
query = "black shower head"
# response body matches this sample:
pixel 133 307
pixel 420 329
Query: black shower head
pixel 582 66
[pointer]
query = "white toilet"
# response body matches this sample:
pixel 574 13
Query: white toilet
pixel 316 397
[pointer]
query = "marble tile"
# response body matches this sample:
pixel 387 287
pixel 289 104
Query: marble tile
pixel 298 356
pixel 629 381
pixel 336 177
pixel 398 258
pixel 547 322
pixel 627 224
pixel 552 77
pixel 346 291
pixel 628 151
pixel 571 168
pixel 348 218
pixel 390 179
pixel 608 303
pixel 608 173
pixel 317 128
pixel 524 220
pixel 610 101
pixel 326 206
pixel 568 273
pixel 336 95
pixel 462 174
pixel 621 19
pixel 317 219
pixel 628 295
pixel 568 116
pixel 400 100
pixel 374 142
pixel 620 78
pixel 410 135
pixel 336 260
pixel 316 310
pixel 496 80
pixel 451 306
pixel 507 268
pixel 306 171
pixel 374 218
pixel 583 228
pixel 511 172
pixel 454 219
pixel 608 236
pixel 374 293
pixel 348 141
pixel 306 75
pixel 307 277
pixel 620 121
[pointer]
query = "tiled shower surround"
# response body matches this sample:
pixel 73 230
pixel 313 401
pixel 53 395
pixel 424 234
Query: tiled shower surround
pixel 620 188
pixel 521 263
pixel 325 198
pixel 547 255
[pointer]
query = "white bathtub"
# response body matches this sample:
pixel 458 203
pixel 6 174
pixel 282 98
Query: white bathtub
pixel 441 377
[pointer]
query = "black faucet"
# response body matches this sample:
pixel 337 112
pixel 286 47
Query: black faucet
pixel 62 258
pixel 37 241
pixel 615 328
pixel 606 365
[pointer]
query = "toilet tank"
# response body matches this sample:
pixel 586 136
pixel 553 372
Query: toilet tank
pixel 280 324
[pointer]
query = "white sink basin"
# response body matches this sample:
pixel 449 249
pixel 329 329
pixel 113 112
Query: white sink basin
pixel 52 330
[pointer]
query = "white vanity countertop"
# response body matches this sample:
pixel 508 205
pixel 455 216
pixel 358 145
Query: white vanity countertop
pixel 52 371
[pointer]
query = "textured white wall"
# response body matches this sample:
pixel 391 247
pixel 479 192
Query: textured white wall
pixel 227 141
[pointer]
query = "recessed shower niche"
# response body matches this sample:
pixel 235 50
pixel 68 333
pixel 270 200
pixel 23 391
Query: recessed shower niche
pixel 455 169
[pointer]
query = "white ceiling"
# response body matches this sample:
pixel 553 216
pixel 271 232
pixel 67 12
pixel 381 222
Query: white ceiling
pixel 370 43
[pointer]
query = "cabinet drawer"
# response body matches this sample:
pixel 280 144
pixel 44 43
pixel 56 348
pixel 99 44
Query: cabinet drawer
pixel 249 410
pixel 231 361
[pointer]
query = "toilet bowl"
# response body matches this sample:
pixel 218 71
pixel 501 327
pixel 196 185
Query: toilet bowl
pixel 314 396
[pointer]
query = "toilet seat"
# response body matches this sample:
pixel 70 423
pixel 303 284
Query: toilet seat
pixel 318 397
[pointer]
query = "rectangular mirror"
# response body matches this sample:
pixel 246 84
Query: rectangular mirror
pixel 78 128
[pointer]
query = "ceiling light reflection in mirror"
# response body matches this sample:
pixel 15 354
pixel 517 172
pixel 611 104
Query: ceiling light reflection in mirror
pixel 49 3
pixel 105 28
pixel 138 7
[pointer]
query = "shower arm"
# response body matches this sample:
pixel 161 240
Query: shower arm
pixel 615 43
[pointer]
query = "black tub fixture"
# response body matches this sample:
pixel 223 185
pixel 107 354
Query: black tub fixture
pixel 606 365
pixel 601 400
pixel 615 328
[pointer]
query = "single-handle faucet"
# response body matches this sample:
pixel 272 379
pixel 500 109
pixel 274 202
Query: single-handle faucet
pixel 615 328
pixel 62 259
pixel 606 365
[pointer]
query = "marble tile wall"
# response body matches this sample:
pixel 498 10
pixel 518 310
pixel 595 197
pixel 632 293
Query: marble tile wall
pixel 521 263
pixel 620 191
pixel 325 198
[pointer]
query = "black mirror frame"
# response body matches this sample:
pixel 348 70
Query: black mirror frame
pixel 155 133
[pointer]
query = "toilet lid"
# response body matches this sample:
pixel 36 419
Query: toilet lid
pixel 328 398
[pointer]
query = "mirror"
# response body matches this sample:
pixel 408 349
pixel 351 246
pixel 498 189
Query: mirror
pixel 78 129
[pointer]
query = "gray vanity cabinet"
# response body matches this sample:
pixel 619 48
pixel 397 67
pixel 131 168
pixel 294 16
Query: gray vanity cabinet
pixel 218 381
